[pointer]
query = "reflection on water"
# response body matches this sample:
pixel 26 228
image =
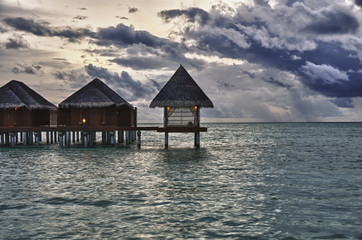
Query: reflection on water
pixel 296 181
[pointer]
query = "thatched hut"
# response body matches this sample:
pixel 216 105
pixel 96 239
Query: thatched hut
pixel 22 106
pixel 181 99
pixel 96 105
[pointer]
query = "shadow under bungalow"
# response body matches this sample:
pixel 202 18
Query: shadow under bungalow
pixel 25 115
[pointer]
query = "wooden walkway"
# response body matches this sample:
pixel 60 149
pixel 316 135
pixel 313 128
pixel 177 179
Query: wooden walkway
pixel 64 135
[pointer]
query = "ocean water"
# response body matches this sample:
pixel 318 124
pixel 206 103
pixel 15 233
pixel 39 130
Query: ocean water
pixel 247 181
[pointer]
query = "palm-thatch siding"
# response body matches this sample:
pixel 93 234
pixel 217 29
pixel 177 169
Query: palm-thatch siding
pixel 99 105
pixel 181 91
pixel 22 106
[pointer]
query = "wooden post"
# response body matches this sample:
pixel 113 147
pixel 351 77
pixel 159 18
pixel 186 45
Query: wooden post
pixel 47 137
pixel 104 137
pixel 37 138
pixel 112 138
pixel 55 136
pixel 120 137
pixel 51 137
pixel 85 136
pixel 25 138
pixel 197 139
pixel 67 138
pixel 31 138
pixel 12 137
pixel 7 139
pixel 138 138
pixel 73 139
pixel 61 140
pixel 166 139
pixel 128 136
pixel 2 139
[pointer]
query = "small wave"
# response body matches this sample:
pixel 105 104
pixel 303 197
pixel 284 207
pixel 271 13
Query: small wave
pixel 83 202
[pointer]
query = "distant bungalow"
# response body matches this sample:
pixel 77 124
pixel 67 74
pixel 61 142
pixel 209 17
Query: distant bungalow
pixel 22 106
pixel 181 99
pixel 96 105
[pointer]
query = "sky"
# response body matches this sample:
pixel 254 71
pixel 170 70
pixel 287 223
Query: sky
pixel 257 60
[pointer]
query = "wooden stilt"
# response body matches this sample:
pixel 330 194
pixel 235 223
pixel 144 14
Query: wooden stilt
pixel 120 136
pixel 12 139
pixel 47 137
pixel 61 139
pixel 104 138
pixel 37 138
pixel 166 139
pixel 7 139
pixel 25 138
pixel 197 139
pixel 73 139
pixel 138 138
pixel 85 136
pixel 112 138
pixel 77 136
pixel 2 139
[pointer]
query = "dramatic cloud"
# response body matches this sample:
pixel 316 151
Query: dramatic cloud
pixel 27 69
pixel 42 29
pixel 192 15
pixel 333 23
pixel 124 84
pixel 16 43
pixel 123 35
pixel 324 73
pixel 263 60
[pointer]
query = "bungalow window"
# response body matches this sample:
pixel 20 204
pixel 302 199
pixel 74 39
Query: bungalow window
pixel 182 116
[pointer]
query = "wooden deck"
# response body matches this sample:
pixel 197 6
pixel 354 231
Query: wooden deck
pixel 100 129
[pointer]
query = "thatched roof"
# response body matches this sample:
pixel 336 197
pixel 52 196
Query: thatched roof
pixel 94 94
pixel 17 94
pixel 181 91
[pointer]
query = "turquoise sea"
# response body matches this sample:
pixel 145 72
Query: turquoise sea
pixel 247 181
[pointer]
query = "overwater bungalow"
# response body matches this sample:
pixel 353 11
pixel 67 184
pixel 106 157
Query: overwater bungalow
pixel 96 105
pixel 181 98
pixel 20 106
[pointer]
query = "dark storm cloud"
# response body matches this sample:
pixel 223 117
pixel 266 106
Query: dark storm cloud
pixel 16 43
pixel 123 35
pixel 27 69
pixel 333 22
pixel 28 25
pixel 43 29
pixel 132 10
pixel 192 15
pixel 343 102
pixel 323 67
pixel 121 83
pixel 358 2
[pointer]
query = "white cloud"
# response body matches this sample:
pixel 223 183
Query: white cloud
pixel 325 73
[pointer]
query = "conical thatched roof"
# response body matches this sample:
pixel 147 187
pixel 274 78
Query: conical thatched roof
pixel 181 91
pixel 17 94
pixel 94 94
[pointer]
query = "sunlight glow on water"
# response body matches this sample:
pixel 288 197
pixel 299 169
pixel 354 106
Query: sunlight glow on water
pixel 296 181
